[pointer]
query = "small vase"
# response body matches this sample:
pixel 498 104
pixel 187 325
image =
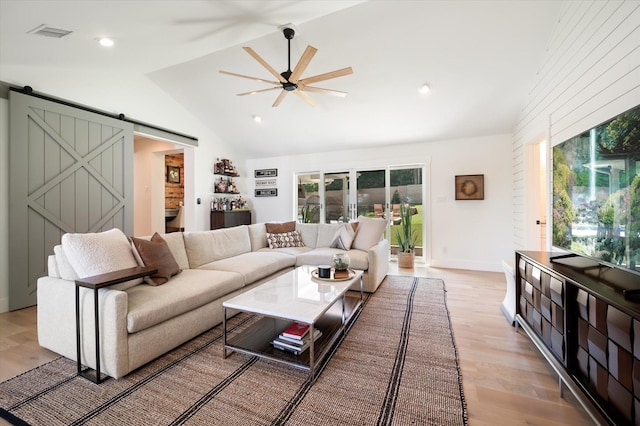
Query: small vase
pixel 341 261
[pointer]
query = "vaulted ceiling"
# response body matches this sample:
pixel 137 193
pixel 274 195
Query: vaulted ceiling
pixel 479 57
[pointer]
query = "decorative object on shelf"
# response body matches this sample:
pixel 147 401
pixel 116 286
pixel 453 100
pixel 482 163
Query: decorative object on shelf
pixel 470 187
pixel 173 174
pixel 406 237
pixel 341 261
pixel 228 203
pixel 225 167
pixel 265 173
pixel 225 186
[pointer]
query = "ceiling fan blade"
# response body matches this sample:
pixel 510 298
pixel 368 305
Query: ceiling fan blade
pixel 253 92
pixel 325 91
pixel 262 62
pixel 326 76
pixel 305 97
pixel 280 98
pixel 249 77
pixel 302 64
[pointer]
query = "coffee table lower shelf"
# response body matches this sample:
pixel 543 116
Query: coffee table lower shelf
pixel 256 339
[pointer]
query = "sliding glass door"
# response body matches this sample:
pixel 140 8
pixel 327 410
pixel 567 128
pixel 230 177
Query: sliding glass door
pixel 308 206
pixel 336 197
pixel 406 186
pixel 332 197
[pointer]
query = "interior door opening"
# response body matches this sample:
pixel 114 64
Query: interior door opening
pixel 157 194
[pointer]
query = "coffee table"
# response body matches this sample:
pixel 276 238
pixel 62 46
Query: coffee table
pixel 326 305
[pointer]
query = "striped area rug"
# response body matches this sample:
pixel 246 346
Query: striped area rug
pixel 397 365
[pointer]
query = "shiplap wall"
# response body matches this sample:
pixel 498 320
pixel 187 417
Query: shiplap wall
pixel 590 73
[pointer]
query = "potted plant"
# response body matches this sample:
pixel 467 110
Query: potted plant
pixel 407 238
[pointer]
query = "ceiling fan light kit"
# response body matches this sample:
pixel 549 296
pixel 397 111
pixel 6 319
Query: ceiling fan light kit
pixel 291 81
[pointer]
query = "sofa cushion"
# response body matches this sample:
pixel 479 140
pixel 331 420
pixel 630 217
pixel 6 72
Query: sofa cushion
pixel 293 251
pixel 280 227
pixel 98 253
pixel 343 237
pixel 64 267
pixel 285 239
pixel 175 241
pixel 309 232
pixel 326 231
pixel 323 255
pixel 253 266
pixel 257 236
pixel 156 253
pixel 185 292
pixel 369 232
pixel 208 246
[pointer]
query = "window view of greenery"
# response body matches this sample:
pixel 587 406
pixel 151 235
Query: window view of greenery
pixel 596 192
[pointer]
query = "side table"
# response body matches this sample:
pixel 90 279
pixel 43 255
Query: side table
pixel 94 283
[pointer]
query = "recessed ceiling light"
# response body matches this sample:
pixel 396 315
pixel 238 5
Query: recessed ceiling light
pixel 424 89
pixel 106 41
pixel 257 119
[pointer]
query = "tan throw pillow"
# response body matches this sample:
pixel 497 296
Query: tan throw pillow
pixel 156 253
pixel 285 239
pixel 369 232
pixel 280 228
pixel 343 237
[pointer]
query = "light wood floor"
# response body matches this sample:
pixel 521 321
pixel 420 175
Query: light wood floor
pixel 506 381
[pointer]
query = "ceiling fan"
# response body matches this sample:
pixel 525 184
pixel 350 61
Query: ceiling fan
pixel 290 81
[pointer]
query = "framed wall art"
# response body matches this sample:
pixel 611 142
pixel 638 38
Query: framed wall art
pixel 269 192
pixel 265 173
pixel 470 187
pixel 173 174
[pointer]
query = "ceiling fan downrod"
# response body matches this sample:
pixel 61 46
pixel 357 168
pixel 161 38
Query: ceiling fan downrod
pixel 288 86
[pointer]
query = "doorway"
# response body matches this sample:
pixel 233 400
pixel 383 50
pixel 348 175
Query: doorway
pixel 156 197
pixel 537 195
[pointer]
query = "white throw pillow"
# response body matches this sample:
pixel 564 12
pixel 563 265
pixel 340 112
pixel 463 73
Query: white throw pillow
pixel 98 253
pixel 64 267
pixel 369 232
pixel 343 237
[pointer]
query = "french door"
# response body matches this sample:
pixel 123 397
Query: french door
pixel 341 196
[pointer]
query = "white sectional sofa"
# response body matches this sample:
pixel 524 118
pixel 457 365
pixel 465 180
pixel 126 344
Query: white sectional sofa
pixel 139 322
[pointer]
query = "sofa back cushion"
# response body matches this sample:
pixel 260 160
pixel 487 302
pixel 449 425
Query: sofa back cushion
pixel 369 232
pixel 98 253
pixel 175 241
pixel 326 232
pixel 257 236
pixel 208 246
pixel 309 233
pixel 65 269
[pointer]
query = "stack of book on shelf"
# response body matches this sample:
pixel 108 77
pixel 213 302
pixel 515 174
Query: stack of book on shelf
pixel 295 338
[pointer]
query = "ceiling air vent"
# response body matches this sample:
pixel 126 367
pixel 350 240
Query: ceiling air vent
pixel 47 31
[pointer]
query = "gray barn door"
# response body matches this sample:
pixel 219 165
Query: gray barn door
pixel 70 171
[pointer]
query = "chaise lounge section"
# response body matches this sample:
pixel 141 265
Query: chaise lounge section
pixel 141 320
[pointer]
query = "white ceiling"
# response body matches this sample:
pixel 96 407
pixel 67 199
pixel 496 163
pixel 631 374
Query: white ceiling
pixel 480 58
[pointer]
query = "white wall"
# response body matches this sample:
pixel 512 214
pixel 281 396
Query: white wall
pixel 590 73
pixel 4 205
pixel 462 234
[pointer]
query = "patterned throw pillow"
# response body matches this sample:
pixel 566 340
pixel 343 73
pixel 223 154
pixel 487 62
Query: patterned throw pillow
pixel 285 239
pixel 343 237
